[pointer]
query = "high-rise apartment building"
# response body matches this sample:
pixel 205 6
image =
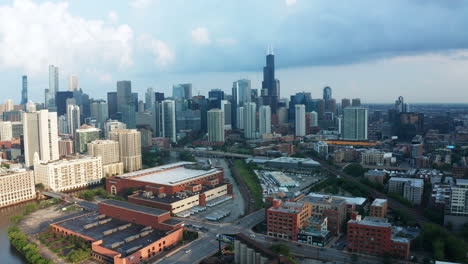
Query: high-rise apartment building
pixel 83 136
pixel 109 151
pixel 73 118
pixel 300 122
pixel 40 136
pixel 24 90
pixel 16 186
pixel 459 198
pixel 264 120
pixel 240 117
pixel 355 123
pixel 130 147
pixel 216 125
pixel 226 106
pixel 69 174
pixel 250 120
pixel 111 125
pixel 168 120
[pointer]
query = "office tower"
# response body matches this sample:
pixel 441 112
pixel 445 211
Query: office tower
pixel 73 83
pixel 345 102
pixel 83 136
pixel 241 93
pixel 111 125
pixel 65 147
pixel 264 124
pixel 109 151
pixel 282 114
pixel 63 125
pixel 216 93
pixel 69 174
pixel 30 106
pixel 159 97
pixel 150 98
pixel 300 120
pixel 270 85
pixel 53 86
pixel 130 147
pixel 227 108
pixel 61 98
pixel 327 93
pixel 99 110
pixel 16 129
pixel 168 120
pixel 356 102
pixel 250 120
pixel 313 119
pixel 330 106
pixel 141 106
pixel 199 103
pixel 40 136
pixel 182 91
pixel 112 104
pixel 73 118
pixel 135 101
pixel 401 106
pixel 6 131
pixel 216 125
pixel 300 98
pixel 24 90
pixel 355 123
pixel 240 117
pixel 126 104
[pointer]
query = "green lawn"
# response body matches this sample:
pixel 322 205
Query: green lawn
pixel 252 182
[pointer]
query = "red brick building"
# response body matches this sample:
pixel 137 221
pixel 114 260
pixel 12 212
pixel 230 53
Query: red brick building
pixel 375 236
pixel 284 219
pixel 124 233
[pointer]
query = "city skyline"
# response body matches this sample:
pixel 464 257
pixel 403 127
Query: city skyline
pixel 374 60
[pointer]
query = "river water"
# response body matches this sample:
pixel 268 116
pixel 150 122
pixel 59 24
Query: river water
pixel 8 254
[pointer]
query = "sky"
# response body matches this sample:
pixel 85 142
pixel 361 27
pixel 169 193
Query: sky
pixel 374 50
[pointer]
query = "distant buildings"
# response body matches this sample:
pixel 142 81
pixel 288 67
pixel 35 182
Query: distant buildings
pixel 216 125
pixel 459 198
pixel 83 136
pixel 109 151
pixel 111 125
pixel 355 123
pixel 264 122
pixel 126 104
pixel 40 136
pixel 73 118
pixel 411 189
pixel 130 147
pixel 250 120
pixel 377 176
pixel 16 186
pixel 300 127
pixel 68 174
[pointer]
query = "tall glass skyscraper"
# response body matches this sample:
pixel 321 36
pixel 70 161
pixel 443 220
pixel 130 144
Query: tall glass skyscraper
pixel 126 104
pixel 270 85
pixel 53 85
pixel 24 91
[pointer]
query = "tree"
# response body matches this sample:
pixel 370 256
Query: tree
pixel 355 169
pixel 40 186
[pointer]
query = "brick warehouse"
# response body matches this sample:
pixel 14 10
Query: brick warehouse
pixel 175 187
pixel 124 233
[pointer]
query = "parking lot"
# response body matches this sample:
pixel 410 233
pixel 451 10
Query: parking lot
pixel 288 182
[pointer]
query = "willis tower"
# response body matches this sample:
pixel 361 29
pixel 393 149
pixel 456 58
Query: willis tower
pixel 270 85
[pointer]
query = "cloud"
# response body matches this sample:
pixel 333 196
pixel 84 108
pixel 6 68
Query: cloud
pixel 35 35
pixel 113 17
pixel 201 36
pixel 163 55
pixel 290 2
pixel 226 41
pixel 101 76
pixel 141 3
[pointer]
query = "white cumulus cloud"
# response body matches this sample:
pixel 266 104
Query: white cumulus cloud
pixel 33 35
pixel 201 35
pixel 290 2
pixel 163 55
pixel 141 3
pixel 113 17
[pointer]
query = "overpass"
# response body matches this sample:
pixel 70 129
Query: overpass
pixel 211 153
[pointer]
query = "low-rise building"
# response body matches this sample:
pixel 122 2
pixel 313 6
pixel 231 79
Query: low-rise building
pixel 375 236
pixel 16 186
pixel 376 157
pixel 334 209
pixel 284 219
pixel 377 176
pixel 411 189
pixel 68 174
pixel 378 208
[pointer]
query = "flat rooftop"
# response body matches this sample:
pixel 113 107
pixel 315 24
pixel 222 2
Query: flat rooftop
pixel 113 232
pixel 349 200
pixel 372 221
pixel 288 207
pixel 171 174
pixel 136 207
pixel 379 202
pixel 413 182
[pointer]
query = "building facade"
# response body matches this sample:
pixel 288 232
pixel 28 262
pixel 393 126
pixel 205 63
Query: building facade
pixel 355 123
pixel 130 147
pixel 216 125
pixel 16 187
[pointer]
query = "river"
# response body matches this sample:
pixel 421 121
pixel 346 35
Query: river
pixel 7 253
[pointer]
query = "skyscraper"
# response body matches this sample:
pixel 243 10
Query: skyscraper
pixel 182 91
pixel 99 110
pixel 250 120
pixel 355 123
pixel 327 93
pixel 6 131
pixel 111 125
pixel 150 98
pixel 300 121
pixel 112 104
pixel 226 106
pixel 130 147
pixel 24 90
pixel 168 120
pixel 73 83
pixel 61 98
pixel 356 102
pixel 73 118
pixel 125 103
pixel 83 136
pixel 216 125
pixel 241 93
pixel 401 106
pixel 53 85
pixel 40 136
pixel 264 124
pixel 345 102
pixel 270 85
pixel 240 117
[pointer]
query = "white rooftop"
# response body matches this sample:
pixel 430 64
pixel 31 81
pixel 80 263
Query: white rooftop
pixel 349 200
pixel 379 202
pixel 414 182
pixel 171 174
